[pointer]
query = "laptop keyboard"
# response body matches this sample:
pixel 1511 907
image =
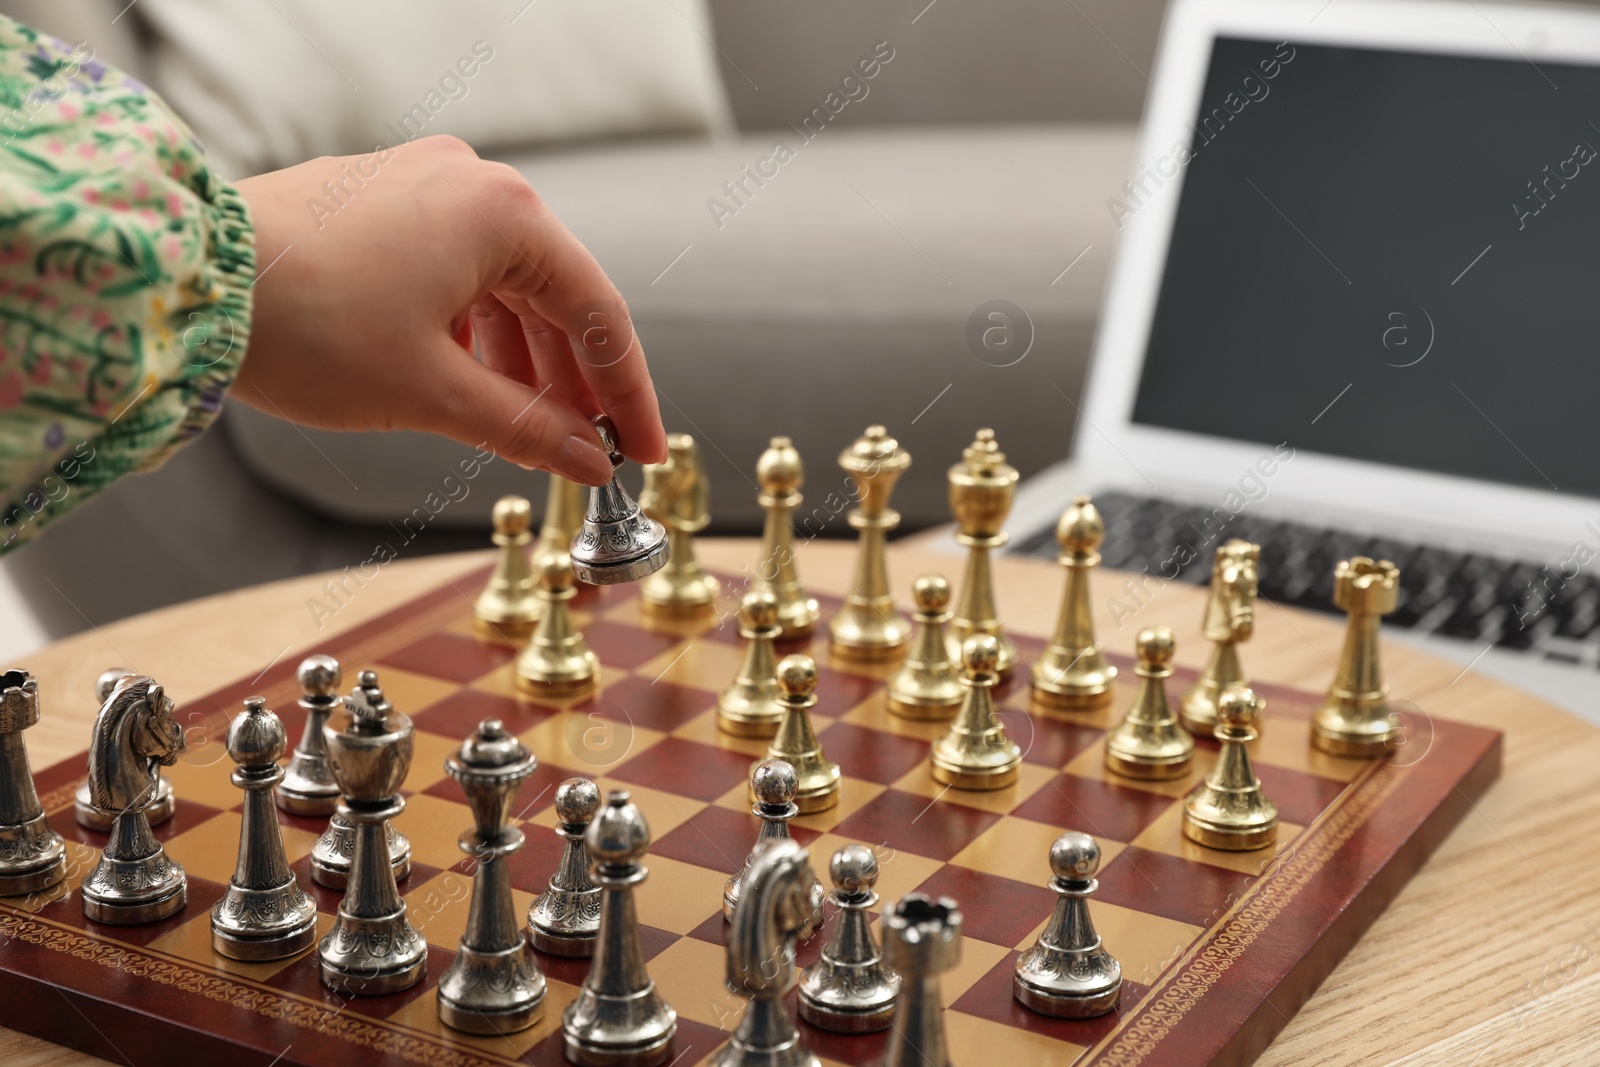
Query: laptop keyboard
pixel 1459 594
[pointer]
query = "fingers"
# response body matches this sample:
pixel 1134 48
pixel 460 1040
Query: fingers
pixel 530 427
pixel 500 338
pixel 553 362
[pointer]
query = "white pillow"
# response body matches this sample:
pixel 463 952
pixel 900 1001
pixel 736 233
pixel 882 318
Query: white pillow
pixel 268 83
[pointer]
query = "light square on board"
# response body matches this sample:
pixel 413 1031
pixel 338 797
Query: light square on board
pixel 696 662
pixel 201 775
pixel 411 691
pixel 663 812
pixel 695 971
pixel 970 1039
pixel 192 941
pixel 873 713
pixel 1166 835
pixel 1031 778
pixel 679 896
pixel 1020 849
pixel 703 730
pixel 434 826
pixel 1286 742
pixel 211 850
pixel 854 794
pixel 591 740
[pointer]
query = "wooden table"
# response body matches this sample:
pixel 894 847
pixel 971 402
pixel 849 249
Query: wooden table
pixel 1490 956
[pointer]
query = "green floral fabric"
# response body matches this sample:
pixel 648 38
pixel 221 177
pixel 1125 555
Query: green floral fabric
pixel 125 274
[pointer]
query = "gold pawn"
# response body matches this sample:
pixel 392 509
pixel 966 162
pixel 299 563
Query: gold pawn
pixel 557 661
pixel 1228 810
pixel 1073 675
pixel 1228 622
pixel 867 626
pixel 677 495
pixel 982 487
pixel 927 687
pixel 781 474
pixel 976 753
pixel 508 608
pixel 751 706
pixel 796 742
pixel 1150 743
pixel 563 513
pixel 1355 719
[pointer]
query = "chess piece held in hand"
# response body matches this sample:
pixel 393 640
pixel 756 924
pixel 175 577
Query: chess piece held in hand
pixel 982 487
pixel 1355 720
pixel 849 990
pixel 617 542
pixel 564 920
pixel 308 787
pixel 677 495
pixel 1068 973
pixel 1072 674
pixel 772 783
pixel 780 474
pixel 1150 743
pixel 1228 622
pixel 921 941
pixel 83 809
pixel 618 1018
pixel 927 687
pixel 773 910
pixel 263 914
pixel 492 987
pixel 372 948
pixel 1228 810
pixel 976 753
pixel 32 856
pixel 507 607
pixel 868 627
pixel 135 735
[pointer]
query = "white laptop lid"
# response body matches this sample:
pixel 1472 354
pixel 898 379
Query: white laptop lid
pixel 1376 248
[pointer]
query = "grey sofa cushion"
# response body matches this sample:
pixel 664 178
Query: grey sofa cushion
pixel 835 295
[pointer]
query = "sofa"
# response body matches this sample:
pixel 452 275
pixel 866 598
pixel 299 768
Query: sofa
pixel 856 281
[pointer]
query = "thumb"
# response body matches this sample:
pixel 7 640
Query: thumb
pixel 530 427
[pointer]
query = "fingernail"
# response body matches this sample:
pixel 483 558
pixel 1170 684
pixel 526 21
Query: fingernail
pixel 580 459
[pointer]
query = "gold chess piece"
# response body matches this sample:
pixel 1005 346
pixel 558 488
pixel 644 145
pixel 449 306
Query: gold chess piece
pixel 1150 743
pixel 752 705
pixel 563 513
pixel 677 495
pixel 927 687
pixel 982 487
pixel 817 777
pixel 1073 675
pixel 781 475
pixel 868 627
pixel 1355 719
pixel 1228 809
pixel 507 607
pixel 1229 620
pixel 557 661
pixel 976 753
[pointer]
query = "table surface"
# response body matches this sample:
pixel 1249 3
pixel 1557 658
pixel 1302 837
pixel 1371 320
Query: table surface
pixel 1490 956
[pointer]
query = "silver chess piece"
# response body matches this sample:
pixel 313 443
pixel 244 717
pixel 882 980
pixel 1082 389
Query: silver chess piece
pixel 617 542
pixel 775 907
pixel 372 948
pixel 849 990
pixel 1068 973
pixel 135 735
pixel 773 783
pixel 334 851
pixel 83 808
pixel 493 986
pixel 308 787
pixel 264 914
pixel 32 856
pixel 618 1019
pixel 565 919
pixel 921 941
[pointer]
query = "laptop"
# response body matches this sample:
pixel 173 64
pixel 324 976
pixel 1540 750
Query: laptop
pixel 1356 310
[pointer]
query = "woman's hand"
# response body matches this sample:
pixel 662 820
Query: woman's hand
pixel 373 274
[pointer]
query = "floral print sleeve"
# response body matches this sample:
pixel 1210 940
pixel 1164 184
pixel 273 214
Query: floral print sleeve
pixel 125 274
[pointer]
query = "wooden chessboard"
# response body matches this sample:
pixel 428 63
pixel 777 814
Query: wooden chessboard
pixel 1218 950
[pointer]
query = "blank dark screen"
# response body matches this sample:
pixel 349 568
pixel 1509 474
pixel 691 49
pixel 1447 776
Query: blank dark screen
pixel 1388 256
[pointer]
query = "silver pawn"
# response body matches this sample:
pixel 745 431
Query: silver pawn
pixel 617 541
pixel 773 782
pixel 308 787
pixel 849 990
pixel 264 914
pixel 32 856
pixel 565 919
pixel 332 855
pixel 493 985
pixel 372 948
pixel 921 941
pixel 1068 974
pixel 618 1019
pixel 775 907
pixel 83 810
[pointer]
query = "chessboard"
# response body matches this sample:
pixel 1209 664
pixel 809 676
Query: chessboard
pixel 1218 949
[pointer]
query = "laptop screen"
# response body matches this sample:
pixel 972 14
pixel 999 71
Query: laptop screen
pixel 1386 256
